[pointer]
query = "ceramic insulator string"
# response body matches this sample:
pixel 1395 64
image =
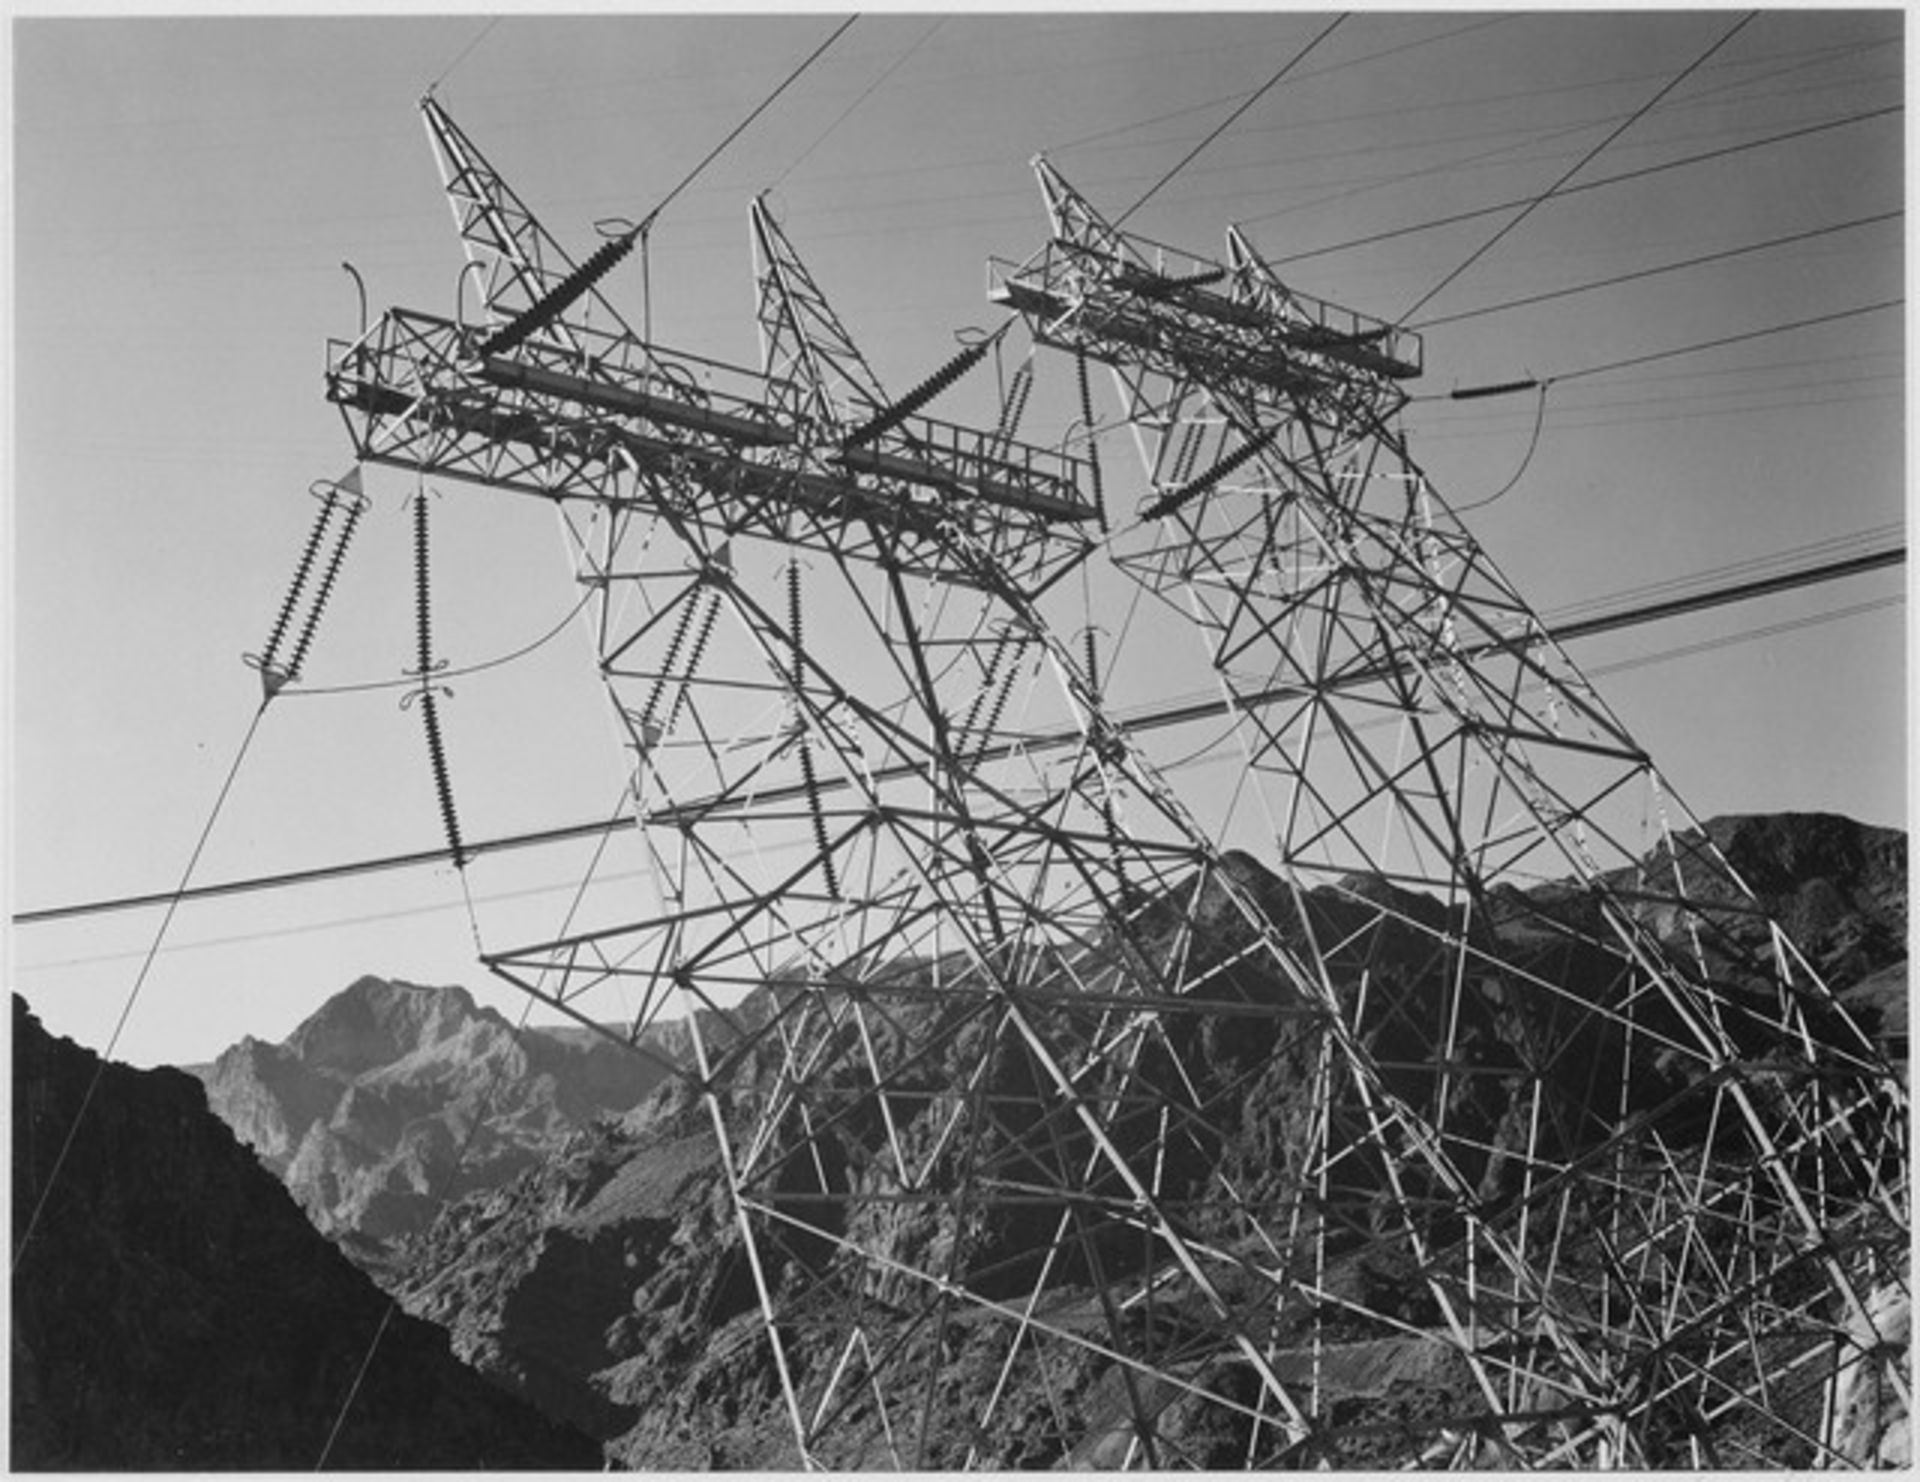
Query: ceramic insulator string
pixel 557 300
pixel 1000 698
pixel 809 779
pixel 328 503
pixel 705 632
pixel 1174 498
pixel 1093 443
pixel 1107 815
pixel 987 677
pixel 429 712
pixel 1015 406
pixel 422 612
pixel 925 392
pixel 1500 388
pixel 562 295
pixel 1158 287
pixel 1189 452
pixel 325 590
pixel 442 784
pixel 674 643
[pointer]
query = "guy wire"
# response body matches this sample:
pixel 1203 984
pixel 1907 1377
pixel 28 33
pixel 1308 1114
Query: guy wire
pixel 465 52
pixel 847 112
pixel 1226 123
pixel 741 127
pixel 139 982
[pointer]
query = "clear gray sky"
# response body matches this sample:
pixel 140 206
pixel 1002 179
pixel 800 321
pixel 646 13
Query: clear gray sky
pixel 185 191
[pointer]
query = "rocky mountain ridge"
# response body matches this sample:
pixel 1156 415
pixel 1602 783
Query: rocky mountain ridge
pixel 173 1310
pixel 609 1282
pixel 393 1098
pixel 556 1202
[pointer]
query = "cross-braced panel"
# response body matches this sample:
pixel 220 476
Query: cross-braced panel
pixel 975 1010
pixel 1693 1155
pixel 1048 1132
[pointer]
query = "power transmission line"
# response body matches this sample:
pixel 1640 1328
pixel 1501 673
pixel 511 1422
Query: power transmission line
pixel 465 52
pixel 741 127
pixel 1551 191
pixel 1653 272
pixel 1602 183
pixel 1732 339
pixel 1228 122
pixel 1517 139
pixel 1156 718
pixel 1191 108
pixel 1745 635
pixel 847 112
pixel 172 899
pixel 1764 586
pixel 1196 760
pixel 1830 548
pixel 1529 383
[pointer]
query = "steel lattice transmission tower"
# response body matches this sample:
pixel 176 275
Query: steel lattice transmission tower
pixel 1010 998
pixel 1047 1130
pixel 1682 1212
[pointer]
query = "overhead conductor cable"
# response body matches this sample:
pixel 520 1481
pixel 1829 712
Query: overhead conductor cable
pixel 1156 718
pixel 273 679
pixel 1580 164
pixel 1506 388
pixel 1603 182
pixel 1227 122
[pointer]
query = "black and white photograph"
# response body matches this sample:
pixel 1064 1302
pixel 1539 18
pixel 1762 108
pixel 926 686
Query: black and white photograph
pixel 974 740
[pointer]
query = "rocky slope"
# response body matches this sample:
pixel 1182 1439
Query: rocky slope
pixel 393 1098
pixel 609 1282
pixel 173 1310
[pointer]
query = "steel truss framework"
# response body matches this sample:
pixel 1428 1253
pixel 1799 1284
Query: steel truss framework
pixel 1707 1254
pixel 978 1012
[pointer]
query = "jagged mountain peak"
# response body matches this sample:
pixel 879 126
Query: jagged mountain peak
pixel 392 1097
pixel 375 1021
pixel 1774 851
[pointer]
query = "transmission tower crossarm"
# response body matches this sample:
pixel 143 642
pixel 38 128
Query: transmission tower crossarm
pixel 1120 298
pixel 567 420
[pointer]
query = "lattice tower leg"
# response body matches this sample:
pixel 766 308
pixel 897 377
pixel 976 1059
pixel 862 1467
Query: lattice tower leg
pixel 978 1020
pixel 1438 768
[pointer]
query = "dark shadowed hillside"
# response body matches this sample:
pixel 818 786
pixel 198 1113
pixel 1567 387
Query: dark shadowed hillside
pixel 175 1311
